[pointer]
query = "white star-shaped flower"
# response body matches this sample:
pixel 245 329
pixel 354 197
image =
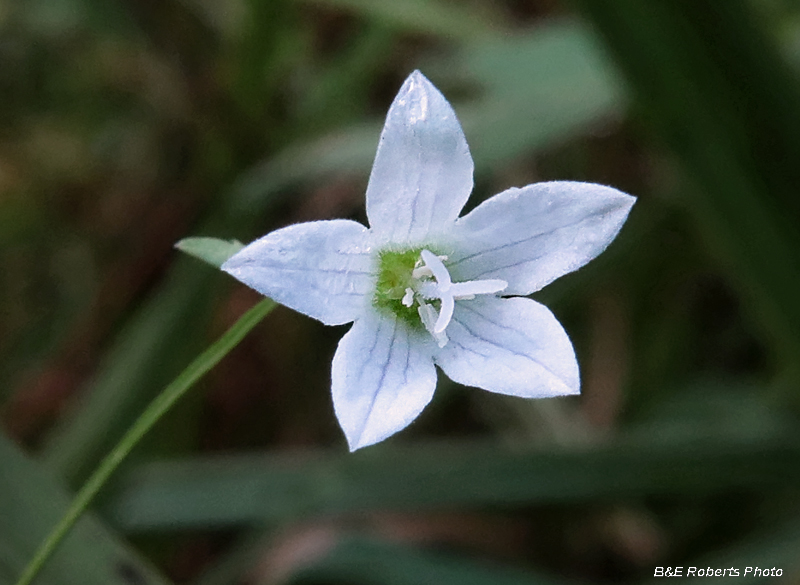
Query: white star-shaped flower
pixel 424 286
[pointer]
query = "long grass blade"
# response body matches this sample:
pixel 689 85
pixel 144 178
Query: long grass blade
pixel 163 402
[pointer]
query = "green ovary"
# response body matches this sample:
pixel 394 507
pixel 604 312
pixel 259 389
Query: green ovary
pixel 394 277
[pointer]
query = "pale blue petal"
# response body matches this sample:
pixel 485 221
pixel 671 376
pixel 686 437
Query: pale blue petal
pixel 511 346
pixel 422 174
pixel 323 269
pixel 382 377
pixel 531 236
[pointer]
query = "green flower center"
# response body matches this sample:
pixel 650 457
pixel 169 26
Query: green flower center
pixel 416 286
pixel 394 279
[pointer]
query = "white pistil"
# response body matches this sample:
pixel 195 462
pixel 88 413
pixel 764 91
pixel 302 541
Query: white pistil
pixel 444 289
pixel 437 267
pixel 468 290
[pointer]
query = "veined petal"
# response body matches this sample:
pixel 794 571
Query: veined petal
pixel 511 346
pixel 422 174
pixel 531 236
pixel 323 269
pixel 382 377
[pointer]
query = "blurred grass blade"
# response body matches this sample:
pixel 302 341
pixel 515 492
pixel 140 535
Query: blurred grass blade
pixel 210 250
pixel 714 87
pixel 361 561
pixel 30 504
pixel 162 403
pixel 252 489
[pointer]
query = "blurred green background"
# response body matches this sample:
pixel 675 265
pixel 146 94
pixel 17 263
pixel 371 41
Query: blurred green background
pixel 126 125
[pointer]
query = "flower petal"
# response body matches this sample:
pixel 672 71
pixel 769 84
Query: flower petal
pixel 383 376
pixel 511 346
pixel 531 236
pixel 422 174
pixel 323 269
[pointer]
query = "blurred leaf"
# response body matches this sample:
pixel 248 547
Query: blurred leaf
pixel 567 86
pixel 267 47
pixel 30 505
pixel 776 548
pixel 225 18
pixel 714 87
pixel 150 351
pixel 346 151
pixel 340 91
pixel 53 17
pixel 712 407
pixel 537 89
pixel 238 559
pixel 361 561
pixel 256 488
pixel 210 250
pixel 432 17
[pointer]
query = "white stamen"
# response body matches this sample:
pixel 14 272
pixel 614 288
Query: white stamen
pixel 421 271
pixel 429 317
pixel 408 298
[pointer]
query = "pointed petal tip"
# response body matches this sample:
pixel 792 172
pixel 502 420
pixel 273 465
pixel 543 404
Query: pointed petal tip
pixel 355 444
pixel 624 203
pixel 418 77
pixel 626 198
pixel 418 87
pixel 420 82
pixel 364 439
pixel 232 263
pixel 229 266
pixel 234 267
